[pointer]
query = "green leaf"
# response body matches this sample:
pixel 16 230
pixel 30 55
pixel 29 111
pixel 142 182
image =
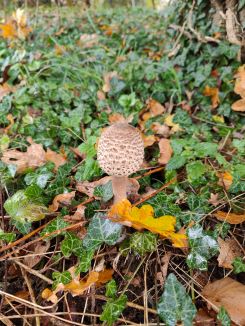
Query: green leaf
pixel 63 277
pixel 224 317
pixel 25 207
pixel 104 191
pixel 238 265
pixel 175 304
pixel 143 242
pixel 176 162
pixel 113 309
pixel 88 147
pixel 195 170
pixel 202 248
pixel 85 256
pixel 111 289
pixel 71 244
pixel 57 224
pixel 88 170
pixel 8 237
pixel 206 149
pixel 101 230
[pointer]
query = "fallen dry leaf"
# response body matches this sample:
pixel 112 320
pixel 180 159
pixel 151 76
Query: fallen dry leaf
pixel 148 140
pixel 212 92
pixel 160 129
pixel 116 117
pixel 225 179
pixel 36 250
pixel 214 199
pixel 240 82
pixel 107 80
pixel 56 158
pixel 165 151
pixel 11 120
pixel 76 286
pixel 239 105
pixel 175 127
pixel 143 218
pixel 32 158
pixel 231 295
pixel 88 40
pixel 203 319
pixel 63 199
pixel 155 107
pixel 231 218
pixel 228 251
pixel 16 26
pixel 101 95
pixel 78 215
pixel 5 89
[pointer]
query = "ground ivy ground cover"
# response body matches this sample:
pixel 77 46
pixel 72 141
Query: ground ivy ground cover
pixel 65 78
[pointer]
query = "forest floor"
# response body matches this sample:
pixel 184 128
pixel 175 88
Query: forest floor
pixel 176 252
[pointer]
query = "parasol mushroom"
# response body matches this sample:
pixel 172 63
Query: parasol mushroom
pixel 120 153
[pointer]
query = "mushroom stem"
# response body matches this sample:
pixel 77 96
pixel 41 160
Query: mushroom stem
pixel 119 186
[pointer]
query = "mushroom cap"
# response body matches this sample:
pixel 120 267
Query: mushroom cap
pixel 120 149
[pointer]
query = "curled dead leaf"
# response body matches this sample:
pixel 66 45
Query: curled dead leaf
pixel 62 199
pixel 37 252
pixel 231 218
pixel 165 151
pixel 160 129
pixel 149 140
pixel 56 158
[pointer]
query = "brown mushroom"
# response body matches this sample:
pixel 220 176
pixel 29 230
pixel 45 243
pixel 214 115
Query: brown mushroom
pixel 120 153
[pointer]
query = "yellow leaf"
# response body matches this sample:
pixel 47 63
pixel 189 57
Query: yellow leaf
pixel 225 179
pixel 175 127
pixel 148 140
pixel 212 92
pixel 143 218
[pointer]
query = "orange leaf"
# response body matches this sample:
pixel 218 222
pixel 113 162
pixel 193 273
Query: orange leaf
pixel 239 105
pixel 148 140
pixel 231 218
pixel 155 107
pixel 8 30
pixel 11 120
pixel 143 218
pixel 5 89
pixel 212 92
pixel 225 179
pixel 165 151
pixel 64 199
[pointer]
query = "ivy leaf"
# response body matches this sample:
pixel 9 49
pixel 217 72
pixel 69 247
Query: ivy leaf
pixel 195 170
pixel 64 278
pixel 71 244
pixel 224 317
pixel 239 265
pixel 25 207
pixel 8 237
pixel 85 256
pixel 143 242
pixel 202 246
pixel 111 289
pixel 104 191
pixel 88 147
pixel 55 225
pixel 175 304
pixel 113 309
pixel 101 230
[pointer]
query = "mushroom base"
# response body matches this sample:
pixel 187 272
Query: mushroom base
pixel 119 186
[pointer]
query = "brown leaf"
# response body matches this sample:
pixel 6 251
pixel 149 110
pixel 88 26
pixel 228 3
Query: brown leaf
pixel 239 105
pixel 231 295
pixel 88 40
pixel 228 251
pixel 148 140
pixel 225 179
pixel 78 215
pixel 212 92
pixel 240 82
pixel 160 129
pixel 164 266
pixel 107 80
pixel 5 89
pixel 155 107
pixel 87 187
pixel 56 158
pixel 37 250
pixel 231 218
pixel 32 158
pixel 116 117
pixel 64 199
pixel 165 151
pixel 214 199
pixel 203 319
pixel 11 120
